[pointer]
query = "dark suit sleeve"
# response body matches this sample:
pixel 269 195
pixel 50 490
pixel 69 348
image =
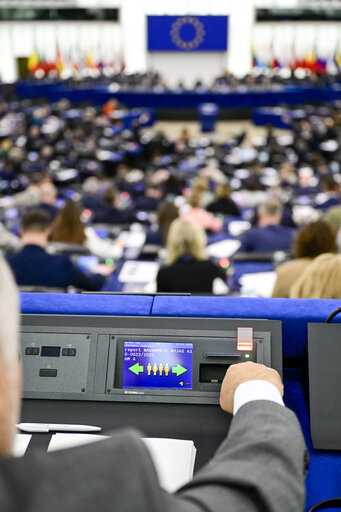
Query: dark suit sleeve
pixel 86 280
pixel 260 467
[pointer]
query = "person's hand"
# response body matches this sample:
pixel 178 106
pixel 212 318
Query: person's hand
pixel 103 269
pixel 243 372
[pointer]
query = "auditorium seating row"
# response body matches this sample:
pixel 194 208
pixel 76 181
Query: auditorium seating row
pixel 324 476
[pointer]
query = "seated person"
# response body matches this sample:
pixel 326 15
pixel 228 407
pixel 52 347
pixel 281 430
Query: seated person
pixel 166 213
pixel 91 191
pixel 200 216
pixel 311 240
pixel 188 268
pixel 110 213
pixel 223 203
pixel 149 201
pixel 269 235
pixel 68 228
pixel 259 466
pixel 33 266
pixel 48 197
pixel 320 280
pixel 330 196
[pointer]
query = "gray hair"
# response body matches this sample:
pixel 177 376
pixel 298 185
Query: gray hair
pixel 272 207
pixel 9 315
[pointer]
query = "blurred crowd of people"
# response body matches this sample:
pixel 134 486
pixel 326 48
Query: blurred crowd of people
pixel 67 170
pixel 257 79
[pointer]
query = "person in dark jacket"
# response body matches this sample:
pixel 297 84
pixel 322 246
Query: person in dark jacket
pixel 33 266
pixel 110 213
pixel 223 203
pixel 188 270
pixel 269 235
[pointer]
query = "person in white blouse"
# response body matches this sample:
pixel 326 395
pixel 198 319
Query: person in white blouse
pixel 68 228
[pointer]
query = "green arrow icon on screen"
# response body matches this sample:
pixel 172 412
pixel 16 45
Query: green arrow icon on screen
pixel 136 368
pixel 179 370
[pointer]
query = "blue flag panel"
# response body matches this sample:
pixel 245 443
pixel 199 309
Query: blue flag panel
pixel 187 33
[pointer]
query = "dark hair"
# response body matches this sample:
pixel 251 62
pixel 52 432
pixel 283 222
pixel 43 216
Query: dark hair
pixel 315 238
pixel 68 227
pixel 109 196
pixel 37 220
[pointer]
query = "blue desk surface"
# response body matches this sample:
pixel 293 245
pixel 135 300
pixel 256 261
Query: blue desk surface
pixel 324 475
pixel 85 304
pixel 168 99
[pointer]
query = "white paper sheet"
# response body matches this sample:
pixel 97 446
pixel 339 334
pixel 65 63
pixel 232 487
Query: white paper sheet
pixel 260 284
pixel 21 442
pixel 173 458
pixel 223 249
pixel 64 441
pixel 138 272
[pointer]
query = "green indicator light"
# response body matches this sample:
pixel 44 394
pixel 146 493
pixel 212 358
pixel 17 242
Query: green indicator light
pixel 109 261
pixel 247 356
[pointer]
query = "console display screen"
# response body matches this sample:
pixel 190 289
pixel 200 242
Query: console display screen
pixel 50 351
pixel 157 365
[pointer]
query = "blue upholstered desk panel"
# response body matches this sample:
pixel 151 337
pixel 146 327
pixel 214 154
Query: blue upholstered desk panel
pixel 294 313
pixel 84 304
pixel 324 475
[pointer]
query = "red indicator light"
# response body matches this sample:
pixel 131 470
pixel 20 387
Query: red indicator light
pixel 245 339
pixel 224 262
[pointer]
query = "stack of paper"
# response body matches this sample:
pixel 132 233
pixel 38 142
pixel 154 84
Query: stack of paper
pixel 173 458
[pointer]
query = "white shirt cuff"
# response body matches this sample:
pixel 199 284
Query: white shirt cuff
pixel 255 390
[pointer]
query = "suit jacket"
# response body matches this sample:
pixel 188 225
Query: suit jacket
pixel 33 266
pixel 259 467
pixel 267 239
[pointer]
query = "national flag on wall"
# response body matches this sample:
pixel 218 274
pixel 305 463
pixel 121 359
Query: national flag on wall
pixel 33 62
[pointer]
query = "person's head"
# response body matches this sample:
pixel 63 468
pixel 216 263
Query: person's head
pixel 313 239
pixel 110 197
pixel 10 373
pixel 329 184
pixel 68 227
pixel 185 238
pixel 166 213
pixel 200 185
pixel 48 193
pixel 91 186
pixel 222 191
pixel 35 227
pixel 194 200
pixel 320 280
pixel 270 212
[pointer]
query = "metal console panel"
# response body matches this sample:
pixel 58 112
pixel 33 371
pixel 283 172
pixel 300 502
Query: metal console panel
pixel 139 359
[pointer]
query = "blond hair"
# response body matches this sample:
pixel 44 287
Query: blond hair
pixel 9 316
pixel 320 280
pixel 185 238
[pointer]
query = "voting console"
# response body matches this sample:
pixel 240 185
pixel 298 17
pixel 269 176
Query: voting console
pixel 160 375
